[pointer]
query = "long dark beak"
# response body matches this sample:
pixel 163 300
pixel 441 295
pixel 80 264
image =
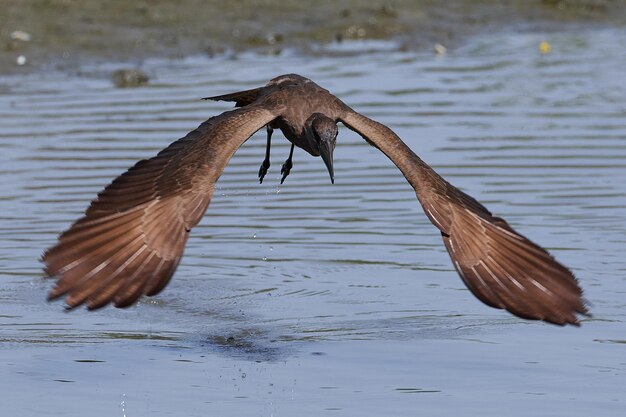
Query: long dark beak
pixel 326 152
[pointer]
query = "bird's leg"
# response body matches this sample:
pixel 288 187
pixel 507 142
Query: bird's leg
pixel 287 165
pixel 266 162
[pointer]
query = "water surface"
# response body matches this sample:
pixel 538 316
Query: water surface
pixel 318 299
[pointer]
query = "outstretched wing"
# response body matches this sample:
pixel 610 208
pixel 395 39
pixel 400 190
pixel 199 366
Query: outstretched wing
pixel 133 234
pixel 501 267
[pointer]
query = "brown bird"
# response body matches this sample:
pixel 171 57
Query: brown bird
pixel 132 236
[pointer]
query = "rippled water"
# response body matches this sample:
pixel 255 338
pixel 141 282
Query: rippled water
pixel 314 299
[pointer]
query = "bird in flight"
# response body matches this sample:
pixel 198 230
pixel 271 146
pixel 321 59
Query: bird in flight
pixel 132 236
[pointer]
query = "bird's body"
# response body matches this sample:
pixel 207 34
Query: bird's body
pixel 301 98
pixel 133 235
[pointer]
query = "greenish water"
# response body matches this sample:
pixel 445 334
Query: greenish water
pixel 318 299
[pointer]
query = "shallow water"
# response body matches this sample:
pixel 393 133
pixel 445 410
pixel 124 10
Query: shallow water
pixel 312 299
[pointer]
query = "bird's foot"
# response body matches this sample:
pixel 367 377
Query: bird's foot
pixel 263 169
pixel 285 170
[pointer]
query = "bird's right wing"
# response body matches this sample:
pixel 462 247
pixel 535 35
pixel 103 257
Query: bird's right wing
pixel 501 267
pixel 132 236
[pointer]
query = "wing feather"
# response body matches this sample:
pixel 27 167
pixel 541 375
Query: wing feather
pixel 499 266
pixel 133 234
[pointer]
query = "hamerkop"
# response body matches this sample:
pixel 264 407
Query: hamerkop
pixel 132 236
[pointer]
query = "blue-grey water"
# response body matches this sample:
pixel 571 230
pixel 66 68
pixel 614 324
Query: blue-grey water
pixel 312 299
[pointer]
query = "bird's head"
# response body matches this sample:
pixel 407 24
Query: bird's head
pixel 325 132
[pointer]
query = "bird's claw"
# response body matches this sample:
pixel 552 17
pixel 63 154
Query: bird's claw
pixel 263 170
pixel 285 170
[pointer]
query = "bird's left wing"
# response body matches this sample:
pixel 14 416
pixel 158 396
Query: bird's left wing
pixel 501 267
pixel 132 236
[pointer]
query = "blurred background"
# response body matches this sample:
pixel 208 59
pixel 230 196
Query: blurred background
pixel 309 298
pixel 66 33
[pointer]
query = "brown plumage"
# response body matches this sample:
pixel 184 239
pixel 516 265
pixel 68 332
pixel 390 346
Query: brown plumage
pixel 132 236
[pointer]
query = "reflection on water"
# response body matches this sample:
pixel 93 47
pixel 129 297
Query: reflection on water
pixel 334 299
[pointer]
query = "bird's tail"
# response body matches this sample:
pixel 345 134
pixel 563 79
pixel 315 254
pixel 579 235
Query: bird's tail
pixel 241 98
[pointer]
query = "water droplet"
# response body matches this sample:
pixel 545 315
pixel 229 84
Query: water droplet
pixel 254 236
pixel 271 248
pixel 123 405
pixel 265 258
